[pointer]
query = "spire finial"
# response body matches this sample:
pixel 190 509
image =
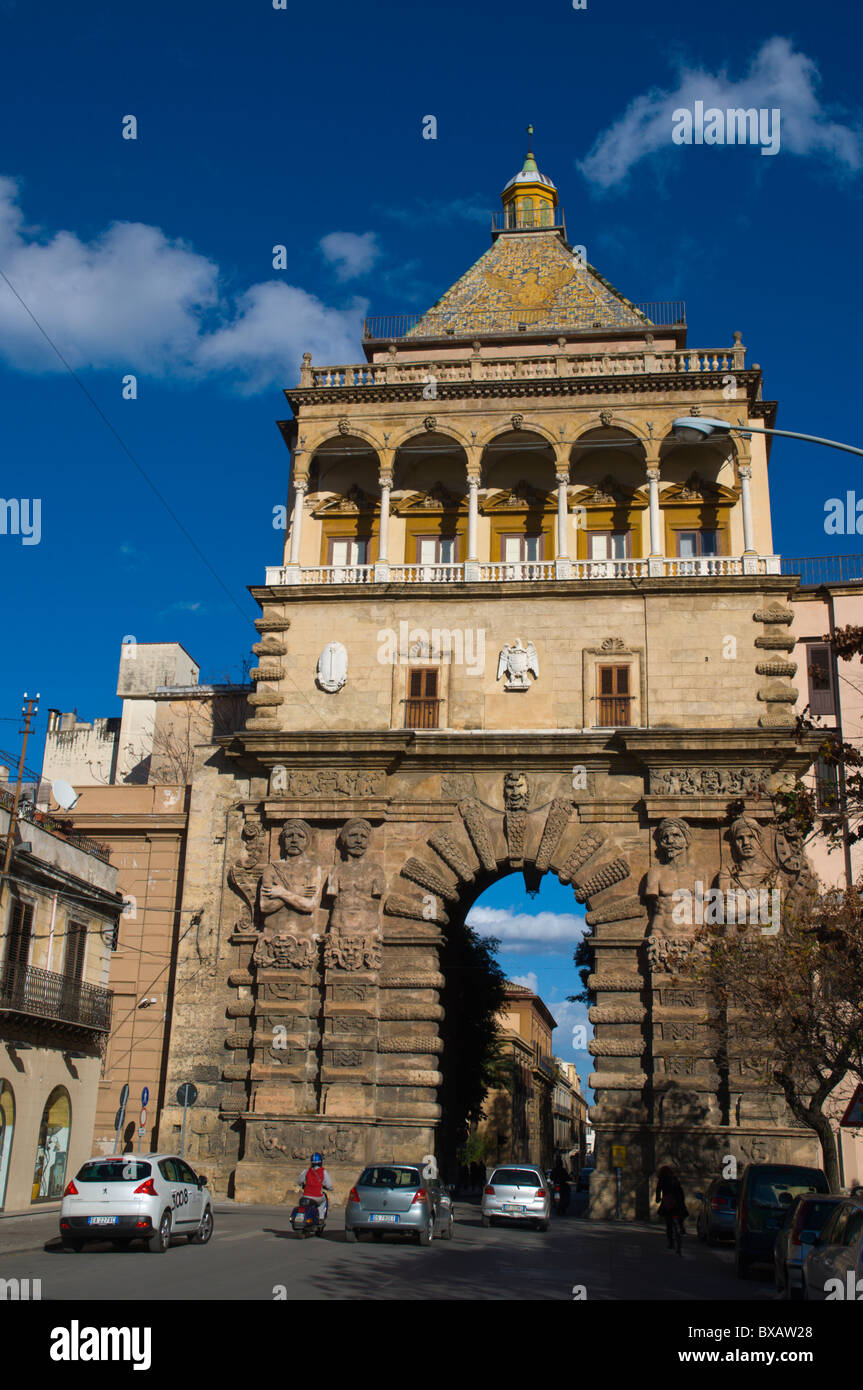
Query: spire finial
pixel 529 140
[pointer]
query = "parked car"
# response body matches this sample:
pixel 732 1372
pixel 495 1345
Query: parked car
pixel 397 1197
pixel 716 1210
pixel 766 1192
pixel 517 1192
pixel 148 1197
pixel 804 1220
pixel 837 1253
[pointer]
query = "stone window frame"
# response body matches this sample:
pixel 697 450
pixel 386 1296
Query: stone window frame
pixel 624 655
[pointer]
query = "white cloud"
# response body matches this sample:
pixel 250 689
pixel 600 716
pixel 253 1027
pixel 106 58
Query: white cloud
pixel 523 932
pixel 529 981
pixel 777 77
pixel 352 253
pixel 134 300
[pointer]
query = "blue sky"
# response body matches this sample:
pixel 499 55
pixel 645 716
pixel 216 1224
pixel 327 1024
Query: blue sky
pixel 302 127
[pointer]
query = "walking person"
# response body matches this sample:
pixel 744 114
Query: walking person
pixel 672 1205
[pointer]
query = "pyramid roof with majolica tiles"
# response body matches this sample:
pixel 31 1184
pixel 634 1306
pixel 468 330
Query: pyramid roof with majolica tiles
pixel 533 278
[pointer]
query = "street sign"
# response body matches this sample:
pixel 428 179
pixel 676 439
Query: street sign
pixel 618 1155
pixel 187 1094
pixel 124 1096
pixel 145 1095
pixel 853 1116
pixel 142 1119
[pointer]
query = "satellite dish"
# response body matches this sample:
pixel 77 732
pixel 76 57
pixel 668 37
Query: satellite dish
pixel 63 794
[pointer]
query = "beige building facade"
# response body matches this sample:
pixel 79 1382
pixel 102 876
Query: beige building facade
pixel 59 912
pixel 520 624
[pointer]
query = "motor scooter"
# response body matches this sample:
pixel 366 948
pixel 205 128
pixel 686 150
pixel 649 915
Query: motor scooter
pixel 309 1219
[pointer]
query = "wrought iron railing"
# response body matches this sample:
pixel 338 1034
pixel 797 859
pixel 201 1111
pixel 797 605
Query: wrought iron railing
pixel 61 998
pixel 27 811
pixel 670 313
pixel 521 219
pixel 613 711
pixel 824 569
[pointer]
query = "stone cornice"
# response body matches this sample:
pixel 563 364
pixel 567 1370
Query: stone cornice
pixel 703 585
pixel 640 383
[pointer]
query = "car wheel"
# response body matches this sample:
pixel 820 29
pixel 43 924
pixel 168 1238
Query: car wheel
pixel 350 1237
pixel 542 1225
pixel 486 1221
pixel 158 1243
pixel 449 1228
pixel 426 1238
pixel 204 1231
pixel 741 1265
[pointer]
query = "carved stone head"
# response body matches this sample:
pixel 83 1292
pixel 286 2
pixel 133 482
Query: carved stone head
pixel 353 838
pixel 673 838
pixel 516 791
pixel 744 837
pixel 295 838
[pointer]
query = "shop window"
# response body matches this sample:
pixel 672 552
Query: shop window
pixel 422 703
pixel 7 1129
pixel 49 1175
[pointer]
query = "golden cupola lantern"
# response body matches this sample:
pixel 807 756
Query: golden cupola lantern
pixel 530 198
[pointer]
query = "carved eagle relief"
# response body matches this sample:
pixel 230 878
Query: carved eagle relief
pixel 528 293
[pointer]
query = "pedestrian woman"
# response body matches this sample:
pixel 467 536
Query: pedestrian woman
pixel 672 1205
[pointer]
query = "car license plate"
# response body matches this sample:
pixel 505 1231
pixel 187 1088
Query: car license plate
pixel 383 1218
pixel 101 1220
pixel 513 1206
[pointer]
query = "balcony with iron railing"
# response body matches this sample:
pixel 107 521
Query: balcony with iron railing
pixel 611 317
pixel 33 993
pixel 28 812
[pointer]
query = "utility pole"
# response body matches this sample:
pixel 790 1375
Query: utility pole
pixel 29 710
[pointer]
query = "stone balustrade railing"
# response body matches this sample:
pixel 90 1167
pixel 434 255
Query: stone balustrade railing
pixel 564 364
pixel 483 571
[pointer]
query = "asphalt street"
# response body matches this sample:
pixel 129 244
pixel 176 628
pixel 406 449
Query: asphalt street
pixel 254 1255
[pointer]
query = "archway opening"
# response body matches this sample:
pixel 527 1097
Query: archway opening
pixel 514 1041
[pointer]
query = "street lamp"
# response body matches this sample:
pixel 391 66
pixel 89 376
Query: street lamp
pixel 691 429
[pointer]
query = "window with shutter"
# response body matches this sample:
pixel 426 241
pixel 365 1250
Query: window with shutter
pixel 819 669
pixel 422 704
pixel 613 697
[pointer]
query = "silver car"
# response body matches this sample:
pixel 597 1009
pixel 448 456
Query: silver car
pixel 833 1269
pixel 805 1218
pixel 148 1197
pixel 517 1192
pixel 397 1197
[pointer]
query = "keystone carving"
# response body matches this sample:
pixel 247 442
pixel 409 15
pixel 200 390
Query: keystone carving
pixel 452 854
pixel 417 909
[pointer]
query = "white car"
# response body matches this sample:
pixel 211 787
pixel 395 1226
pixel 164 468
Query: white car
pixel 126 1197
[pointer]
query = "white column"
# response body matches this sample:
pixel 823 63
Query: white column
pixel 472 519
pixel 746 498
pixel 656 547
pixel 562 516
pixel 300 485
pixel 383 539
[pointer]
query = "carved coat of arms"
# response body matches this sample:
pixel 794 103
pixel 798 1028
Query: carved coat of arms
pixel 517 663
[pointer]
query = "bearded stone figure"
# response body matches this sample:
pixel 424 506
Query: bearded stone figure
pixel 356 884
pixel 750 867
pixel 291 886
pixel 673 874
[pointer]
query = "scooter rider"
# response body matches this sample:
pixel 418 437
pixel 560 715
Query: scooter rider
pixel 315 1182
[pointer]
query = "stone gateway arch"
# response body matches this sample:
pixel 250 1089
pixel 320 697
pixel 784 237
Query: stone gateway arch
pixel 520 624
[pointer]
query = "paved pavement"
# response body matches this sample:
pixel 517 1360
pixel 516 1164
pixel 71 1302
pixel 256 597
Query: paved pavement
pixel 254 1255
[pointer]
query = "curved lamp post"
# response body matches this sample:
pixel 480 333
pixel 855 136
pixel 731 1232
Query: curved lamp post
pixel 690 429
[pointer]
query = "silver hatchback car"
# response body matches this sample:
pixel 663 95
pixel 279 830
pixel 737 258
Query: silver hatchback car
pixel 148 1197
pixel 517 1192
pixel 398 1197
